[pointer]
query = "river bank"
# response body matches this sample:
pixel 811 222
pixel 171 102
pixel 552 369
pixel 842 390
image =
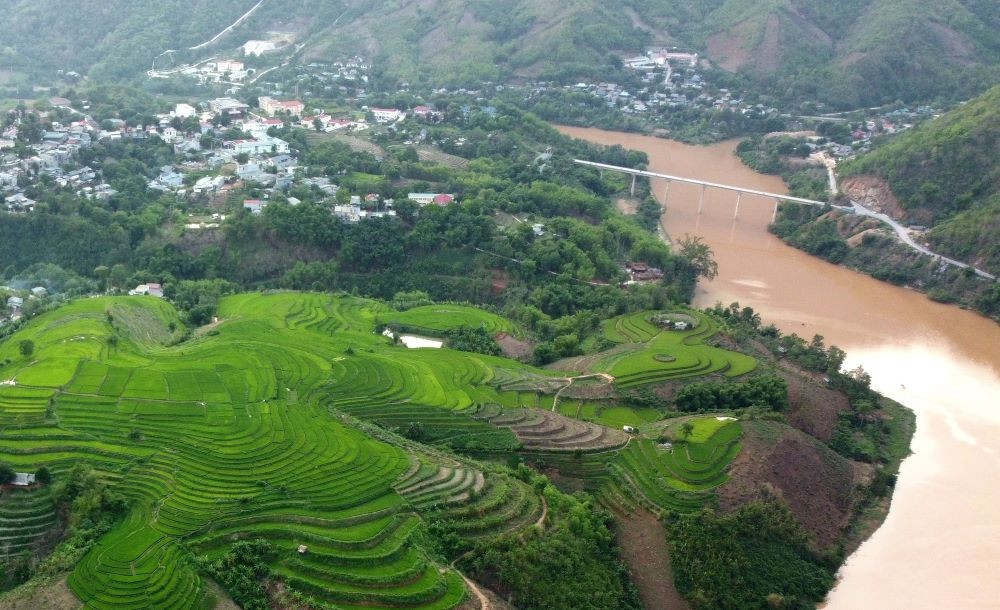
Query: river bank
pixel 935 548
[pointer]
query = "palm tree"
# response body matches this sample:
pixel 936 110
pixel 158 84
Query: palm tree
pixel 686 429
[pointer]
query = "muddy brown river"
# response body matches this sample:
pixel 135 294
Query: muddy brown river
pixel 940 545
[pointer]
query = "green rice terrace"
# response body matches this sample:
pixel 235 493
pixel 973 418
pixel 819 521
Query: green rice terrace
pixel 263 426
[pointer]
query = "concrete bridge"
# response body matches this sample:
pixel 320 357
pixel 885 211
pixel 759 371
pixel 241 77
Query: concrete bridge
pixel 740 191
pixel 854 208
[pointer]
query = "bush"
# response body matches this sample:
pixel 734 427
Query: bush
pixel 43 476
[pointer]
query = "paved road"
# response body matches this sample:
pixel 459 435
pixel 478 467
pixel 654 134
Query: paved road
pixel 906 238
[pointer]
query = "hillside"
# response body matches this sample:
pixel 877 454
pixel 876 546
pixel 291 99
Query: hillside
pixel 291 444
pixel 846 54
pixel 858 52
pixel 946 175
pixel 943 179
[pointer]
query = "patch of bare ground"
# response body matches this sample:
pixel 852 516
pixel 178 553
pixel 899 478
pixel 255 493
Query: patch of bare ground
pixel 956 47
pixel 858 238
pixel 729 48
pixel 768 52
pixel 598 388
pixel 427 153
pixel 642 543
pixel 812 407
pixel 657 36
pixel 818 485
pixel 54 595
pixel 873 193
pixel 733 49
pixel 223 602
pixel 356 143
pixel 584 364
pixel 514 348
pixel 812 32
pixel 852 58
pixel 626 206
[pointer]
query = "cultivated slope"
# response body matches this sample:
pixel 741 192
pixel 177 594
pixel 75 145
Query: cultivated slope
pixel 236 434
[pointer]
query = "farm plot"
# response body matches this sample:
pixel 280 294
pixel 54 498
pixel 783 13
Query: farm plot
pixel 436 319
pixel 540 430
pixel 680 478
pixel 237 434
pixel 27 518
pixel 654 355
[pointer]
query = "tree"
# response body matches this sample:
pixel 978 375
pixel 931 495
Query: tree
pixel 118 275
pixel 102 273
pixel 6 473
pixel 26 347
pixel 43 476
pixel 687 428
pixel 699 254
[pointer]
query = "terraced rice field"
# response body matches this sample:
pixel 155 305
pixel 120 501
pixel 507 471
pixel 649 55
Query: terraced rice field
pixel 242 436
pixel 541 430
pixel 653 355
pixel 249 431
pixel 27 519
pixel 643 473
pixel 436 319
pixel 611 415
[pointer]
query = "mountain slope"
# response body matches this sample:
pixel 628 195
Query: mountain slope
pixel 857 52
pixel 849 53
pixel 946 174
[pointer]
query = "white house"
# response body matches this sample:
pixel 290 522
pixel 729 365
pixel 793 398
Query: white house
pixel 23 479
pixel 229 106
pixel 387 115
pixel 428 198
pixel 262 145
pixel 183 111
pixel 151 289
pixel 258 47
pixel 229 65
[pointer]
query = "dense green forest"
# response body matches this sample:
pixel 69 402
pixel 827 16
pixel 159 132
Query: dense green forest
pixel 845 54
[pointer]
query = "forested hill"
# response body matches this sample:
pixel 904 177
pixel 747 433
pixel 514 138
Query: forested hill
pixel 847 53
pixel 946 174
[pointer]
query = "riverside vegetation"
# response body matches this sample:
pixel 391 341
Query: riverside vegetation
pixel 943 176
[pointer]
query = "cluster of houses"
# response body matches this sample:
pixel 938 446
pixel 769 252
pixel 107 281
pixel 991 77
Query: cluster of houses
pixel 58 148
pixel 671 80
pixel 15 302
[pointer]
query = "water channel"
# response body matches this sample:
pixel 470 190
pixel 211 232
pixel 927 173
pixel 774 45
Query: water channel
pixel 940 545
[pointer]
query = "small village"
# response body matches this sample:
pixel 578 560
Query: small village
pixel 223 144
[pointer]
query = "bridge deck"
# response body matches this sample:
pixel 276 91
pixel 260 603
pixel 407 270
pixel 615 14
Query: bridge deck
pixel 728 187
